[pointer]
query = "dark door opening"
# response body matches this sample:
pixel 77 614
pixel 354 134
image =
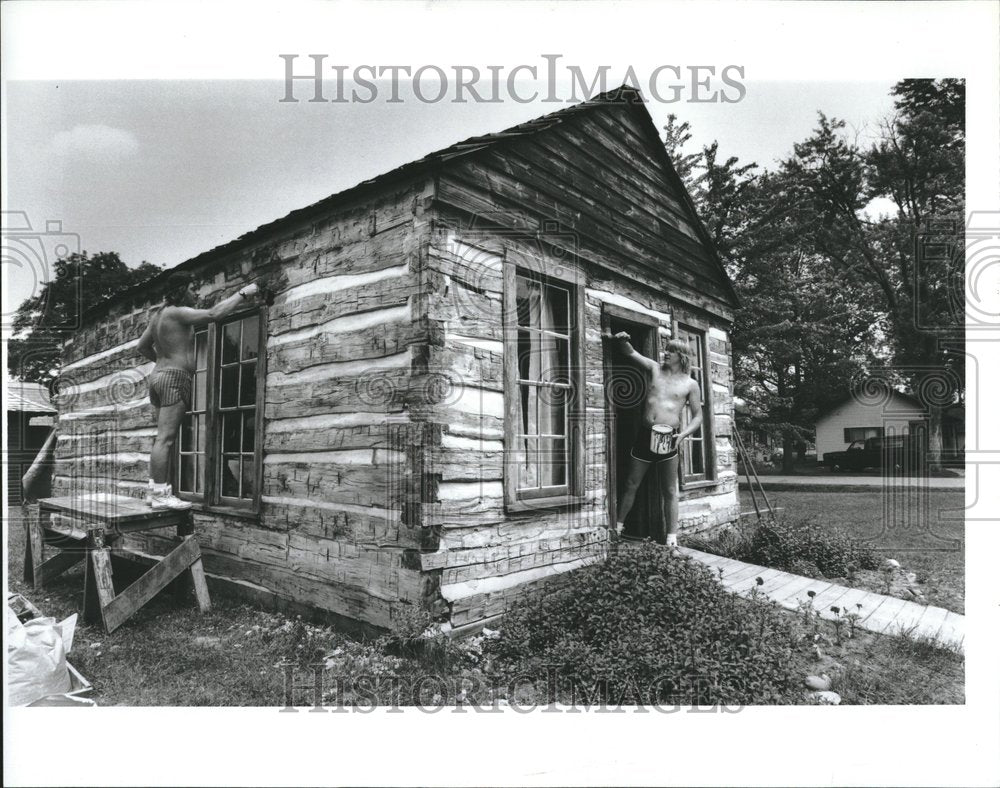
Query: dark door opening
pixel 625 392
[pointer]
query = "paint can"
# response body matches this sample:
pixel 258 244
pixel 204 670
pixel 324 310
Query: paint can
pixel 661 439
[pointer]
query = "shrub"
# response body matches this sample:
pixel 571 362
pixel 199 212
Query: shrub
pixel 794 545
pixel 414 634
pixel 413 663
pixel 651 628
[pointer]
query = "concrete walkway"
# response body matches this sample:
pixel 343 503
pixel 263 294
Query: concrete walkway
pixel 845 483
pixel 882 614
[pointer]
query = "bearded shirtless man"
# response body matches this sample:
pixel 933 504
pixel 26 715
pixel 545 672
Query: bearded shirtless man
pixel 669 389
pixel 169 341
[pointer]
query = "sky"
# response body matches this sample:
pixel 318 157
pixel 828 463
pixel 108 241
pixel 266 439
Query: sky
pixel 161 170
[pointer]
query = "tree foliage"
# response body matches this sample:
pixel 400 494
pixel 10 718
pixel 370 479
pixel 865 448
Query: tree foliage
pixel 829 286
pixel 917 165
pixel 798 332
pixel 45 319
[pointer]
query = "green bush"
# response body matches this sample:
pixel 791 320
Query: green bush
pixel 793 545
pixel 650 628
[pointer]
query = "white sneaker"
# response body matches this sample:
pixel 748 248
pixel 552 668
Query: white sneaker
pixel 165 499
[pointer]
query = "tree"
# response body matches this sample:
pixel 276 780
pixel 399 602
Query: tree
pixel 43 321
pixel 918 164
pixel 799 333
pixel 675 136
pixel 829 290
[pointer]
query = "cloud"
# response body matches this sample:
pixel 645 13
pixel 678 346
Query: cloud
pixel 95 142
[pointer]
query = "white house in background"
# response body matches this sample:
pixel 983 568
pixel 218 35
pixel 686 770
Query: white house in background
pixel 855 419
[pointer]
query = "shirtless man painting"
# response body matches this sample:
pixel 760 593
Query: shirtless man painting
pixel 169 341
pixel 670 388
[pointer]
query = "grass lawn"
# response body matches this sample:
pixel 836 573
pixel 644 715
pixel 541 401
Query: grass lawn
pixel 926 536
pixel 873 669
pixel 168 655
pixel 870 669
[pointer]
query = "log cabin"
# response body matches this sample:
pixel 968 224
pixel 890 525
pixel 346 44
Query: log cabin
pixel 425 415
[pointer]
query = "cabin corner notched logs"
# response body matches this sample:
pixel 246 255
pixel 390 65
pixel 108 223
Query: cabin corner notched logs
pixel 382 467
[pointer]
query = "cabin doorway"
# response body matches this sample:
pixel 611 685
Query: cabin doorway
pixel 625 392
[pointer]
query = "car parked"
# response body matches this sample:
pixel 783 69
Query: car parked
pixel 892 451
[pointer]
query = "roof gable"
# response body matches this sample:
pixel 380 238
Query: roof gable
pixel 658 151
pixel 600 170
pixel 898 397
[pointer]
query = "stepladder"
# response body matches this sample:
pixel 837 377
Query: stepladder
pixel 93 528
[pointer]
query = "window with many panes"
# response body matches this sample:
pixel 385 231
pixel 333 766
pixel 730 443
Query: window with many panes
pixel 543 345
pixel 194 429
pixel 218 461
pixel 696 455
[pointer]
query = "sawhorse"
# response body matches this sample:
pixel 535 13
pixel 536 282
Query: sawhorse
pixel 100 521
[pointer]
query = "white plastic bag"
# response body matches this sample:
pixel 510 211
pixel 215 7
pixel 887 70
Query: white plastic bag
pixel 36 658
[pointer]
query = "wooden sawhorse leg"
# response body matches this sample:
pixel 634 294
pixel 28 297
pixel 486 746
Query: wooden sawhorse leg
pixel 33 545
pixel 37 570
pixel 200 586
pixel 98 585
pixel 198 582
pixel 101 604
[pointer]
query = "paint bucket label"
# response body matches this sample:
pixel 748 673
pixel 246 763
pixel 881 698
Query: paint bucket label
pixel 661 439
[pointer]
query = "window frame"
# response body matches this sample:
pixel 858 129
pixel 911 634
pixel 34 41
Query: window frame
pixel 176 467
pixel 710 475
pixel 211 498
pixel 514 499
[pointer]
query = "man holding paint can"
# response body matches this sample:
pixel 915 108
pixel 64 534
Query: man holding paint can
pixel 669 389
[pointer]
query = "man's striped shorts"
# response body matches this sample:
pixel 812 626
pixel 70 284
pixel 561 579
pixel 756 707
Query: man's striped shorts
pixel 170 386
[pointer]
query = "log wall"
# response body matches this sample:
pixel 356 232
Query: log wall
pixel 338 528
pixel 486 556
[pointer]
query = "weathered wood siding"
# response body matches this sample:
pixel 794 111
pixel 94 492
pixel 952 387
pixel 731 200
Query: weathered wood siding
pixel 485 555
pixel 597 176
pixel 337 528
pixel 587 195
